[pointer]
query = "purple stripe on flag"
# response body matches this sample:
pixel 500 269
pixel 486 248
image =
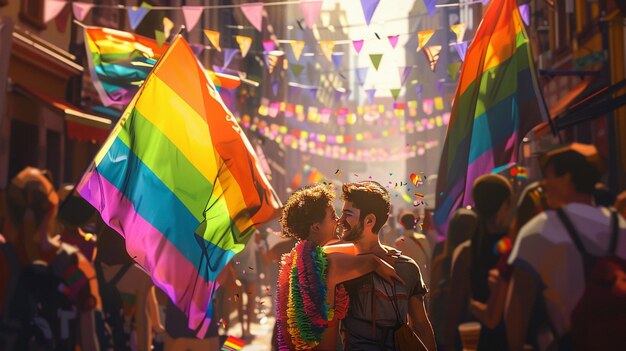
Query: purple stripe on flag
pixel 169 268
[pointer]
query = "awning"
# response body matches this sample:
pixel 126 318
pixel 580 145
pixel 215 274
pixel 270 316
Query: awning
pixel 81 125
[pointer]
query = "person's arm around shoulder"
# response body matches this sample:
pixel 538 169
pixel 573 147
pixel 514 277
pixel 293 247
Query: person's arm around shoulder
pixel 418 319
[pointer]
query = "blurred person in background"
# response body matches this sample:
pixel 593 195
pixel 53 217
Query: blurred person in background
pixel 414 245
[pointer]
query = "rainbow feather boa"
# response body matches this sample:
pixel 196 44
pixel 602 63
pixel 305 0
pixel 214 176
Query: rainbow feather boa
pixel 301 308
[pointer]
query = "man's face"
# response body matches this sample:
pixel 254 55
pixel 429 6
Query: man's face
pixel 351 226
pixel 555 187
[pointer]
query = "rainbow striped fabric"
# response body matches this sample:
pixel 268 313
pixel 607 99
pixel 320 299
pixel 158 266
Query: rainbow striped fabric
pixel 178 179
pixel 119 63
pixel 497 102
pixel 233 344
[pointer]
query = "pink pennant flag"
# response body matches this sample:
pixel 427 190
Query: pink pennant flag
pixel 81 9
pixel 393 40
pixel 358 45
pixel 311 11
pixel 268 45
pixel 52 8
pixel 192 16
pixel 254 14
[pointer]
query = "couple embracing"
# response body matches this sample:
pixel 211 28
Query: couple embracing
pixel 347 284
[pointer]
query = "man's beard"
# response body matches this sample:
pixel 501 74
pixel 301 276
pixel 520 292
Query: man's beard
pixel 354 233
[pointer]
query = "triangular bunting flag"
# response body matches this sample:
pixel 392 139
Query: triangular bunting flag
pixel 214 38
pixel 430 7
pixel 393 40
pixel 311 11
pixel 370 95
pixel 136 14
pixel 461 49
pixel 369 6
pixel 395 93
pixel 404 73
pixel 244 44
pixel 52 8
pixel 432 55
pixel 192 16
pixel 337 57
pixel 160 37
pixel 275 87
pixel 327 47
pixel 459 30
pixel 376 60
pixel 296 47
pixel 453 69
pixel 196 49
pixel 81 9
pixel 272 61
pixel 439 85
pixel 361 75
pixel 229 54
pixel 419 91
pixel 358 45
pixel 524 11
pixel 268 45
pixel 423 37
pixel 254 14
pixel 168 25
pixel 61 19
pixel 296 69
pixel 313 92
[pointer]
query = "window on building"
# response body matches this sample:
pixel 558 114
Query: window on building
pixel 31 12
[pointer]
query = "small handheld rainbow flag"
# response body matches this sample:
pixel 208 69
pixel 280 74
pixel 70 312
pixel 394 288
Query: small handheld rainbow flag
pixel 179 180
pixel 232 344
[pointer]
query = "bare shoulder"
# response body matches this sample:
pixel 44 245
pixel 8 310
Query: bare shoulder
pixel 348 249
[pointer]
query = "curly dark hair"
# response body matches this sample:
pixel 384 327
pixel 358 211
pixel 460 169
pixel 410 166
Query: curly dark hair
pixel 304 207
pixel 369 197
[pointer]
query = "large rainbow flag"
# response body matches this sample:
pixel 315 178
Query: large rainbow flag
pixel 119 63
pixel 178 179
pixel 497 102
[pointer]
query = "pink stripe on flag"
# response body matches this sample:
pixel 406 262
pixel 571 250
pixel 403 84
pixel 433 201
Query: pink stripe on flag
pixel 169 268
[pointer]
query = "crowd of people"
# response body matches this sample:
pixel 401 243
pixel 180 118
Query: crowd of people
pixel 540 270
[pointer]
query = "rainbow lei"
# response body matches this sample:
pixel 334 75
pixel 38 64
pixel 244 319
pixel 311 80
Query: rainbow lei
pixel 301 307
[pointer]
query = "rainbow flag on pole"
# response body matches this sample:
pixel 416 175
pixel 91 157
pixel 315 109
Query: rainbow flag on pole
pixel 119 62
pixel 178 179
pixel 497 102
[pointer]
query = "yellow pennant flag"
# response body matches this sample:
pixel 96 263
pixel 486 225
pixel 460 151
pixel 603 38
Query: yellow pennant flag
pixel 168 25
pixel 297 46
pixel 327 48
pixel 244 44
pixel 214 38
pixel 423 37
pixel 432 55
pixel 459 30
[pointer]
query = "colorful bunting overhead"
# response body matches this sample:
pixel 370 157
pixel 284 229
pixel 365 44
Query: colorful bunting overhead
pixel 182 227
pixel 370 94
pixel 453 69
pixel 254 14
pixel 337 58
pixel 61 19
pixel 81 9
pixel 376 60
pixel 192 15
pixel 524 11
pixel 393 40
pixel 244 44
pixel 137 14
pixel 296 69
pixel 395 93
pixel 361 75
pixel 358 45
pixel 327 47
pixel 459 30
pixel 229 54
pixel 160 37
pixel 497 102
pixel 404 73
pixel 432 55
pixel 423 37
pixel 369 6
pixel 168 25
pixel 268 45
pixel 296 47
pixel 430 7
pixel 461 49
pixel 214 38
pixel 52 8
pixel 311 11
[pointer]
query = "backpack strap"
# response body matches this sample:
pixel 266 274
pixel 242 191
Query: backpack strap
pixel 571 230
pixel 615 234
